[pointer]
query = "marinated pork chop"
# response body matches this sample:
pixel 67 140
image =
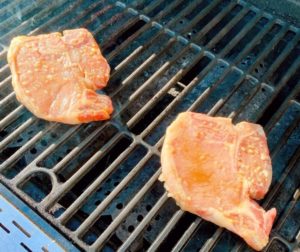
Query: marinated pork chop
pixel 215 169
pixel 55 76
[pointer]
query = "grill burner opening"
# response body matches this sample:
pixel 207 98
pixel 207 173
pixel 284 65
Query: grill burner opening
pixel 98 183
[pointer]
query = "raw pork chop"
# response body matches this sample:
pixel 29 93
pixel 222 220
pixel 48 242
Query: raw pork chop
pixel 55 76
pixel 215 169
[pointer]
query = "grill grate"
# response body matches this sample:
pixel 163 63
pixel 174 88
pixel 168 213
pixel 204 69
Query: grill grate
pixel 97 183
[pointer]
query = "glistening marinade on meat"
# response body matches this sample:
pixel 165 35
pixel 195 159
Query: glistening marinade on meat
pixel 216 170
pixel 56 76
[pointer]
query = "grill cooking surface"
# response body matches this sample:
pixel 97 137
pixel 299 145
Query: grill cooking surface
pixel 97 183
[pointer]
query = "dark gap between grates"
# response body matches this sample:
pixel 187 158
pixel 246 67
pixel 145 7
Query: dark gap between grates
pixel 164 4
pixel 141 40
pixel 248 60
pixel 37 187
pixel 286 64
pixel 191 74
pixel 277 246
pixel 169 17
pixel 6 89
pixel 97 169
pixel 228 85
pixel 225 40
pixel 9 106
pixel 189 16
pixel 123 36
pixel 206 38
pixel 64 149
pixel 205 83
pixel 117 80
pixel 94 145
pixel 156 110
pixel 291 224
pixel 141 209
pixel 206 19
pixel 177 232
pixel 279 99
pixel 200 236
pixel 235 51
pixel 274 53
pixel 16 144
pixel 109 184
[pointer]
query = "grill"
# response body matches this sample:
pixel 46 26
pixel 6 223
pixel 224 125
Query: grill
pixel 97 183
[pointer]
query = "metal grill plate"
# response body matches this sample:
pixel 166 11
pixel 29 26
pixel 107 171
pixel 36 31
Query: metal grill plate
pixel 97 183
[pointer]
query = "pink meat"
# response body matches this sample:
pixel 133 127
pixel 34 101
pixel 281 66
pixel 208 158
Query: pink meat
pixel 215 169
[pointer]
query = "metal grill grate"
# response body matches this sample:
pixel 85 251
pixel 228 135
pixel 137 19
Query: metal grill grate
pixel 97 183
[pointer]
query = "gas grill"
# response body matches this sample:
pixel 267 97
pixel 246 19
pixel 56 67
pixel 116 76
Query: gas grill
pixel 95 187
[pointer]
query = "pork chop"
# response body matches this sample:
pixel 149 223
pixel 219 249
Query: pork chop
pixel 215 169
pixel 55 76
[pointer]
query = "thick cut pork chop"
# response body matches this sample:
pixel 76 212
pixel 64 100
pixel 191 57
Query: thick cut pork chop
pixel 55 76
pixel 215 169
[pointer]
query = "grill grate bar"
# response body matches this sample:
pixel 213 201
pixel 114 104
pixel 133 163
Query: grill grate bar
pixel 151 103
pixel 263 53
pixel 115 52
pixel 201 14
pixel 187 235
pixel 178 98
pixel 200 99
pixel 7 99
pixel 15 19
pixel 163 199
pixel 32 166
pixel 182 13
pixel 11 116
pixel 16 132
pixel 281 84
pixel 152 6
pixel 283 109
pixel 101 239
pixel 286 134
pixel 20 29
pixel 135 53
pixel 166 11
pixel 211 241
pixel 254 92
pixel 14 158
pixel 164 233
pixel 100 208
pixel 76 150
pixel 241 34
pixel 63 188
pixel 255 40
pixel 110 22
pixel 146 63
pixel 214 21
pixel 281 58
pixel 7 80
pixel 272 194
pixel 227 28
pixel 158 73
pixel 59 193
